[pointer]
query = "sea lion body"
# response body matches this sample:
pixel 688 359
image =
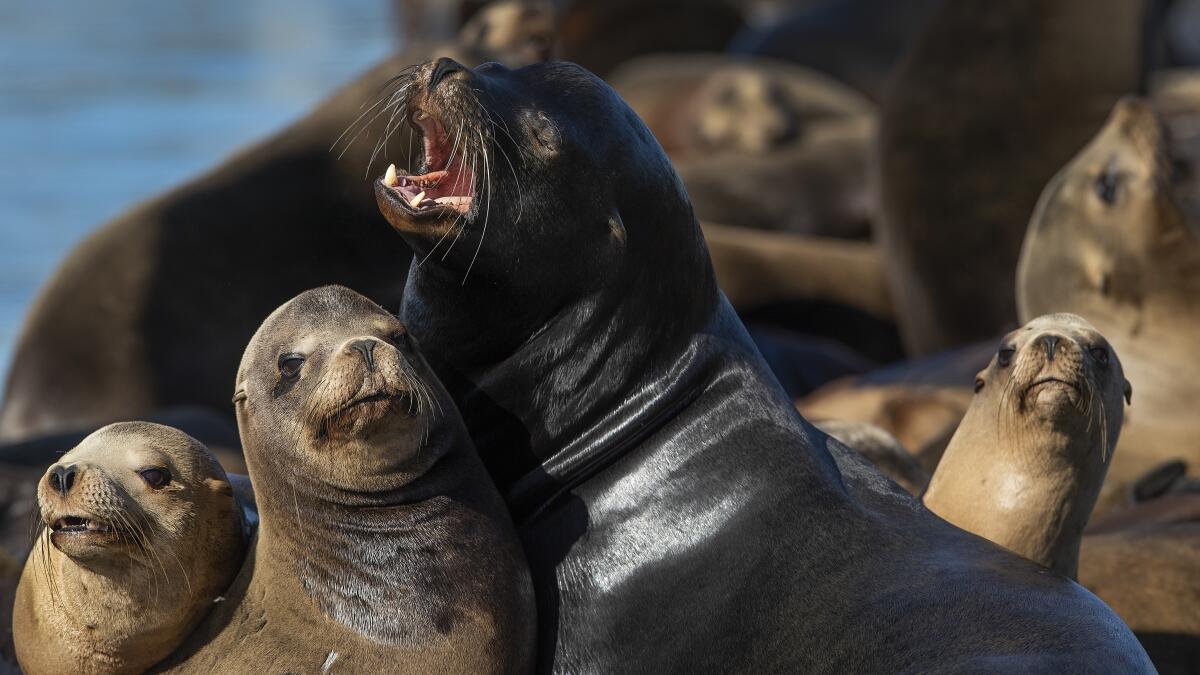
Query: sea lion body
pixel 677 513
pixel 1109 241
pixel 142 536
pixel 381 545
pixel 124 328
pixel 1025 466
pixel 992 100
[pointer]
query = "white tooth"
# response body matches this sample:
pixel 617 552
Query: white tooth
pixel 389 178
pixel 416 201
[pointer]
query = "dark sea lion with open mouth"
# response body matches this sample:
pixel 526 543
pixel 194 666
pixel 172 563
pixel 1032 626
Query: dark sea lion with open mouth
pixel 382 546
pixel 678 514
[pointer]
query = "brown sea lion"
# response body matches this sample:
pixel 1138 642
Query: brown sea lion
pixel 1025 466
pixel 382 546
pixel 142 535
pixel 125 326
pixel 993 99
pixel 882 449
pixel 1109 242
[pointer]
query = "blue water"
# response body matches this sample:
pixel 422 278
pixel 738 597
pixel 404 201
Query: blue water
pixel 103 104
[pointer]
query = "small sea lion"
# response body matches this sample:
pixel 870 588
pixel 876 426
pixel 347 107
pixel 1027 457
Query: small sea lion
pixel 992 100
pixel 1109 241
pixel 520 30
pixel 1025 466
pixel 382 546
pixel 564 293
pixel 141 536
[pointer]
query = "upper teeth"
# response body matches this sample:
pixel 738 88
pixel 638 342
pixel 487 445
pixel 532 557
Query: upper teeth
pixel 389 178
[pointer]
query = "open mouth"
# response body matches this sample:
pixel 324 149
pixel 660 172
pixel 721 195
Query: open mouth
pixel 446 186
pixel 78 525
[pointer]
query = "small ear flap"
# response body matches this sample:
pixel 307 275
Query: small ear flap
pixel 1128 393
pixel 979 381
pixel 239 396
pixel 218 486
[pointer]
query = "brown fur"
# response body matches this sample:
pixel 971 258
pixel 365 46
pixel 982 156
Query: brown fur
pixel 382 545
pixel 1025 467
pixel 123 604
pixel 992 100
pixel 1132 267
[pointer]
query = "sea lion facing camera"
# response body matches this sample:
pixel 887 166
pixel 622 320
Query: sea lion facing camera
pixel 1025 466
pixel 382 546
pixel 142 534
pixel 1108 241
pixel 564 290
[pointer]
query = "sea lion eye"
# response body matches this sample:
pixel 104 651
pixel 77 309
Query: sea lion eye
pixel 1100 354
pixel 399 338
pixel 1005 356
pixel 290 364
pixel 157 479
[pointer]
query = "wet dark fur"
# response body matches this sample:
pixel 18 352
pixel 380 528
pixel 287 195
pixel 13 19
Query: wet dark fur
pixel 677 513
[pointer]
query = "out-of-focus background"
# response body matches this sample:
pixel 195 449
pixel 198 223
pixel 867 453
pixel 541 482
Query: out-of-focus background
pixel 103 105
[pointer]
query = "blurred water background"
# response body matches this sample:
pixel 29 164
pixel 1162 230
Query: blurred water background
pixel 103 104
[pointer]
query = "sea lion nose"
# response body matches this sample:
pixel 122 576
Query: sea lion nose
pixel 443 67
pixel 366 349
pixel 1051 342
pixel 62 478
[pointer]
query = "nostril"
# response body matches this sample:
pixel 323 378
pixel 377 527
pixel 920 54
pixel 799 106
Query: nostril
pixel 1051 342
pixel 441 69
pixel 62 479
pixel 366 349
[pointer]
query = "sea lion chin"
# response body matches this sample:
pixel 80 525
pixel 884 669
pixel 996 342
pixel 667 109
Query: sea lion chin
pixel 142 533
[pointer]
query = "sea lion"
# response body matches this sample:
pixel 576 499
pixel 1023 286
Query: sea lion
pixel 1025 466
pixel 987 82
pixel 521 30
pixel 759 143
pixel 562 286
pixel 1108 241
pixel 141 536
pixel 602 34
pixel 857 42
pixel 381 545
pixel 124 328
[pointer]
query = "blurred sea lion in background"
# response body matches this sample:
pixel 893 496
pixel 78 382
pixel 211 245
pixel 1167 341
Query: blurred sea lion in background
pixel 153 310
pixel 992 100
pixel 758 142
pixel 881 449
pixel 1109 242
pixel 857 42
pixel 602 34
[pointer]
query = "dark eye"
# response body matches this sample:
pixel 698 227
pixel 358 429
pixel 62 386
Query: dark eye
pixel 157 479
pixel 1106 185
pixel 290 364
pixel 1005 356
pixel 399 338
pixel 1100 354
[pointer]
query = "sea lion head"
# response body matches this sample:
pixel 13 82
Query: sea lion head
pixel 1057 375
pixel 1108 239
pixel 738 109
pixel 331 390
pixel 134 490
pixel 516 31
pixel 540 182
